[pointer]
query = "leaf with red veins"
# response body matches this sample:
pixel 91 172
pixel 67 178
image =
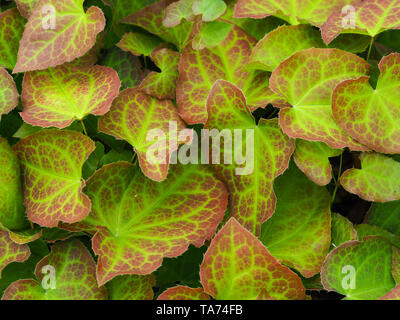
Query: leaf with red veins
pixel 11 29
pixel 183 293
pixel 371 17
pixel 378 180
pixel 237 266
pixel 10 251
pixel 138 43
pixel 132 287
pixel 69 34
pixel 141 221
pixel 162 85
pixel 9 95
pixel 252 197
pixel 51 163
pixel 75 276
pixel 306 80
pixel 313 159
pixel 56 97
pixel 133 117
pixel 26 7
pixel 372 116
pixel 315 12
pixel 177 11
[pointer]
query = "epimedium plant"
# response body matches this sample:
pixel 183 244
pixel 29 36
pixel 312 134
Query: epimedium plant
pixel 86 214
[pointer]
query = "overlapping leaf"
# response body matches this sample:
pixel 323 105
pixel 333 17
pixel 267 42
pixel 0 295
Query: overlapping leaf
pixel 209 10
pixel 142 221
pixel 183 293
pixel 298 234
pixel 342 230
pixel 393 294
pixel 267 154
pixel 133 116
pixel 177 11
pixel 8 92
pixel 138 43
pixel 371 116
pixel 58 32
pixel 10 251
pixel 364 230
pixel 237 266
pixel 51 162
pixel 57 96
pixel 75 277
pixel 378 179
pixel 385 215
pixel 210 34
pixel 131 287
pixel 306 80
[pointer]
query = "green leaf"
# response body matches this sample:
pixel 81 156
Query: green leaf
pixel 369 261
pixel 210 10
pixel 268 151
pixel 177 11
pixel 211 34
pixel 385 215
pixel 26 130
pixel 309 89
pixel 9 95
pixel 75 277
pixel 143 221
pixel 10 251
pixel 131 287
pixel 237 266
pixel 378 179
pixel 51 162
pixel 393 294
pixel 25 236
pixel 358 108
pixel 342 230
pixel 365 230
pixel 298 233
pixel 138 43
pixel 183 293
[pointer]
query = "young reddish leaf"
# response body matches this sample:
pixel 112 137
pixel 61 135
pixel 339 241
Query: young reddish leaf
pixel 252 198
pixel 26 7
pixel 313 159
pixel 298 234
pixel 70 33
pixel 12 213
pixel 143 221
pixel 91 57
pixel 10 251
pixel 237 266
pixel 162 85
pixel 342 230
pixel 371 116
pixel 8 92
pixel 51 162
pixel 378 179
pixel 385 215
pixel 315 12
pixel 371 17
pixel 131 287
pixel 177 11
pixel 11 29
pixel 183 293
pixel 209 9
pixel 138 43
pixel 393 294
pixel 369 262
pixel 75 277
pixel 57 96
pixel 306 80
pixel 132 116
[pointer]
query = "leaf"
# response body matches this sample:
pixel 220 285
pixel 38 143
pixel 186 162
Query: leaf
pixel 162 85
pixel 51 162
pixel 372 263
pixel 177 11
pixel 306 79
pixel 211 34
pixel 342 230
pixel 183 293
pixel 11 29
pixel 313 159
pixel 70 30
pixel 237 266
pixel 210 10
pixel 12 213
pixel 365 230
pixel 315 12
pixel 52 235
pixel 393 294
pixel 250 183
pixel 74 276
pixel 371 17
pixel 368 115
pixel 25 236
pixel 26 130
pixel 9 95
pixel 138 43
pixel 71 93
pixel 378 179
pixel 131 287
pixel 132 116
pixel 26 7
pixel 396 265
pixel 144 221
pixel 385 215
pixel 10 251
pixel 298 233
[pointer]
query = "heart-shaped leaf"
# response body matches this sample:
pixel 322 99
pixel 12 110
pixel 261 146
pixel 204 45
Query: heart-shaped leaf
pixel 54 28
pixel 210 10
pixel 237 266
pixel 183 293
pixel 131 287
pixel 10 251
pixel 8 92
pixel 51 162
pixel 57 96
pixel 385 215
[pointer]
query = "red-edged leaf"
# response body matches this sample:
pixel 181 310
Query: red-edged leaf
pixel 10 251
pixel 237 266
pixel 8 92
pixel 393 294
pixel 183 293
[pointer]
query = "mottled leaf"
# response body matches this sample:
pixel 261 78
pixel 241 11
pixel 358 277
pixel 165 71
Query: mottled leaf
pixel 131 287
pixel 8 92
pixel 183 293
pixel 10 251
